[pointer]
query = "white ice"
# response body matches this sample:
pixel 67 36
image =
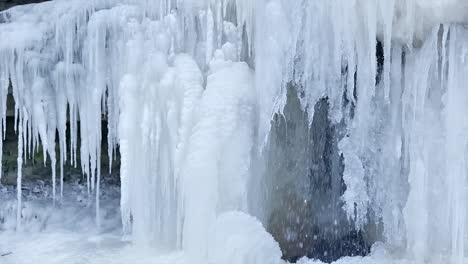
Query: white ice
pixel 189 89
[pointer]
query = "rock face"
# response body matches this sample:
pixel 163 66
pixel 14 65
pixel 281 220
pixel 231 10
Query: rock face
pixel 306 170
pixel 5 4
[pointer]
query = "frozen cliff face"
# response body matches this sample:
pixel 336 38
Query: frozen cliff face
pixel 194 91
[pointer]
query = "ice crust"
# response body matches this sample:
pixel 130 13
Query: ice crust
pixel 189 89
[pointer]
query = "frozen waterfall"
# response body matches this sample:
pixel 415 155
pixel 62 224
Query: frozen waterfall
pixel 248 130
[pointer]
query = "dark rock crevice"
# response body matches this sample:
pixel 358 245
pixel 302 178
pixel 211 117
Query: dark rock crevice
pixel 306 170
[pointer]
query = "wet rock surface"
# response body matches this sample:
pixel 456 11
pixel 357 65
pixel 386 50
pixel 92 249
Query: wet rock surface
pixel 306 169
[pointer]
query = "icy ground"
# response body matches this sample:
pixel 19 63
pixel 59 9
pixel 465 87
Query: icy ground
pixel 65 233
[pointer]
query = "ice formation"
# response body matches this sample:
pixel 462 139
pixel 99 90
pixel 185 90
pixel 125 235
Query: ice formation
pixel 189 89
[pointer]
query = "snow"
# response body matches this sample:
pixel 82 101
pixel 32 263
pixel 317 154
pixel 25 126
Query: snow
pixel 189 89
pixel 240 239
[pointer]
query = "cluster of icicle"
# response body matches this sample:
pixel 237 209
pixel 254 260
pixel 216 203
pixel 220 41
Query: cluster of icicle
pixel 188 113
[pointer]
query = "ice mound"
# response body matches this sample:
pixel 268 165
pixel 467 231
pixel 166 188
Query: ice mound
pixel 239 238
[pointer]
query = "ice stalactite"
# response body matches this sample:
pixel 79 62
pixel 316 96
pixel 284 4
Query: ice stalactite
pixel 435 213
pixel 225 119
pixel 189 90
pixel 44 86
pixel 20 176
pixel 4 85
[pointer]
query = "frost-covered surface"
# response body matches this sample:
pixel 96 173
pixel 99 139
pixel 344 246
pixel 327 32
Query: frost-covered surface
pixel 75 212
pixel 71 247
pixel 189 89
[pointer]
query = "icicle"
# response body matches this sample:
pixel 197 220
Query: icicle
pixel 209 34
pixel 456 140
pixel 444 54
pixel 387 11
pixel 98 192
pixel 61 173
pixel 73 134
pixel 219 23
pixel 19 205
pixel 4 83
pixel 371 25
pixel 54 177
